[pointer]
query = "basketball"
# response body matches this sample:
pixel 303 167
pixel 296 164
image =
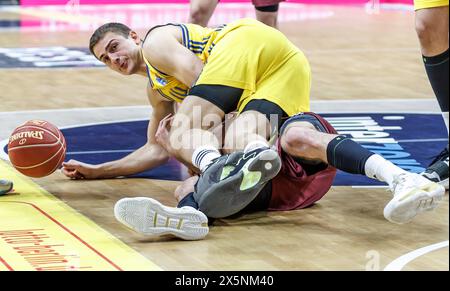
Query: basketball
pixel 37 148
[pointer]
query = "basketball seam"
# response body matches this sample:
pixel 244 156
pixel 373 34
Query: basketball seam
pixel 33 146
pixel 58 163
pixel 34 166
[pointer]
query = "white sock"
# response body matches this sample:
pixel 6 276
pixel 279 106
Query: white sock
pixel 379 168
pixel 203 156
pixel 255 145
pixel 445 116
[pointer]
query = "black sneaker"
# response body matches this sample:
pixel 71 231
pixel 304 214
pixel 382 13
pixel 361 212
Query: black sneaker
pixel 229 184
pixel 437 171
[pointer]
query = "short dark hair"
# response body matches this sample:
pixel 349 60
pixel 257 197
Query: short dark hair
pixel 100 32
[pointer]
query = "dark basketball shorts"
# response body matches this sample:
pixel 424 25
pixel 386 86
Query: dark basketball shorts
pixel 298 184
pixel 266 3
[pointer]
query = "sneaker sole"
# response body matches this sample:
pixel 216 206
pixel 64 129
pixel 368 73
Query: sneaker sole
pixel 149 217
pixel 238 191
pixel 403 209
pixel 444 183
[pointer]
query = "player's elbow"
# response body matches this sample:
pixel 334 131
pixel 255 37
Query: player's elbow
pixel 190 74
pixel 197 69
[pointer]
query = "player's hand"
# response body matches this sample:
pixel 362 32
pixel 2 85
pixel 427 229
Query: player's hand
pixel 77 170
pixel 162 133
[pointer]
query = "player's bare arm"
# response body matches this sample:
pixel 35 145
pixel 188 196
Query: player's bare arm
pixel 164 50
pixel 149 156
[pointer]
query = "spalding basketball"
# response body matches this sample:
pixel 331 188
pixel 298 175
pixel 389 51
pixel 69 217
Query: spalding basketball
pixel 37 148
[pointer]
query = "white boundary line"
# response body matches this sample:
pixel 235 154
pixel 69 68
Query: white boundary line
pixel 3 155
pixel 399 263
pixel 101 123
pixel 421 140
pixel 362 50
pixel 371 187
pixel 77 109
pixel 346 101
pixel 317 104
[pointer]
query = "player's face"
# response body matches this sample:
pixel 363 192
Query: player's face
pixel 119 53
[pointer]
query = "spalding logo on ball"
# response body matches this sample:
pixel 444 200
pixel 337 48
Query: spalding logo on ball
pixel 37 148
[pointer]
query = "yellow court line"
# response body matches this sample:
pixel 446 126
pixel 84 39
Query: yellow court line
pixel 40 232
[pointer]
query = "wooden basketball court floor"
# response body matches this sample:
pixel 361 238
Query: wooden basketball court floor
pixel 360 62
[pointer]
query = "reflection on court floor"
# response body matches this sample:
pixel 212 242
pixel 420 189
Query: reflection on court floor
pixel 142 16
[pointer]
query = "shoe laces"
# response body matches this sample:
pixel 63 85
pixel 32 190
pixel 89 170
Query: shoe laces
pixel 226 170
pixel 399 183
pixel 213 161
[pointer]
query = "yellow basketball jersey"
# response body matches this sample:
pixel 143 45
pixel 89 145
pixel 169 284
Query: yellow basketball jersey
pixel 197 39
pixel 423 4
pixel 244 54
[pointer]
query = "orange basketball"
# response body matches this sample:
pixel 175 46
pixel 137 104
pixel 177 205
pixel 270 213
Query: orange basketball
pixel 37 148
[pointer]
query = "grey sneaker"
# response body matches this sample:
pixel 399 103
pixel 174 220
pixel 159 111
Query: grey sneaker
pixel 5 186
pixel 232 182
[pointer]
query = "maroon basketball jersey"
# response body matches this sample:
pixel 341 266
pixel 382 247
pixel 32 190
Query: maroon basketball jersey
pixel 293 188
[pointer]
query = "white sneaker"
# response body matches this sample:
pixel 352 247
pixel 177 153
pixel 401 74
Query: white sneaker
pixel 413 194
pixel 148 216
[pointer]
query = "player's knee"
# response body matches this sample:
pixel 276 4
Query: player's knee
pixel 268 19
pixel 196 17
pixel 300 139
pixel 432 31
pixel 199 15
pixel 424 30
